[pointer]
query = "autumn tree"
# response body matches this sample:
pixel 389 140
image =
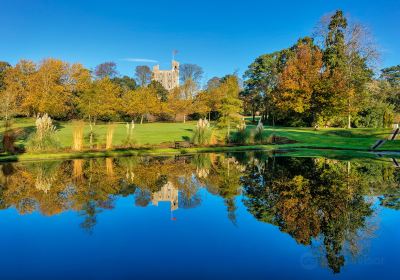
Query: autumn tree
pixel 347 56
pixel 17 82
pixel 99 101
pixel 3 67
pixel 7 99
pixel 209 100
pixel 231 105
pixel 299 80
pixel 52 87
pixel 140 102
pixel 178 105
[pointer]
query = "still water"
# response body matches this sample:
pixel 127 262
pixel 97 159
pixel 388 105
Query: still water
pixel 209 216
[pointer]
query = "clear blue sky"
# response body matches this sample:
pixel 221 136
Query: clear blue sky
pixel 221 36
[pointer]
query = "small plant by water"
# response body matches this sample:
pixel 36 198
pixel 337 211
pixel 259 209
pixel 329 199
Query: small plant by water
pixel 44 138
pixel 109 136
pixel 259 133
pixel 242 135
pixel 77 135
pixel 130 140
pixel 202 132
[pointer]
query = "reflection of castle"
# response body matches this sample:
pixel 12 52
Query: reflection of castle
pixel 168 78
pixel 167 193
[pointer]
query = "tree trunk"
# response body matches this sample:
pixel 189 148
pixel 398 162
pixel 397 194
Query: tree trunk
pixel 91 133
pixel 209 116
pixel 141 119
pixel 229 131
pixel 184 118
pixel 349 121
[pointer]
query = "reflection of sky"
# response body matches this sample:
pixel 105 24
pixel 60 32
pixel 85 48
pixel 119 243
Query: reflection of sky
pixel 201 243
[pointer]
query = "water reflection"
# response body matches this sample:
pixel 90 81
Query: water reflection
pixel 324 203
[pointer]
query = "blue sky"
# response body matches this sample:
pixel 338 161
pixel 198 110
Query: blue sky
pixel 220 36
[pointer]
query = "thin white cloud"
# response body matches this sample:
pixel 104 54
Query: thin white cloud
pixel 145 60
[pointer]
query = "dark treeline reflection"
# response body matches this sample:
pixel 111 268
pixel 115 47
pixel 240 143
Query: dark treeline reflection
pixel 326 203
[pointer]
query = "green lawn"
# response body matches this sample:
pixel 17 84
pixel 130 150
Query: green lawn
pixel 154 134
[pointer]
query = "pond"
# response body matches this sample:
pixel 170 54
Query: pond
pixel 208 216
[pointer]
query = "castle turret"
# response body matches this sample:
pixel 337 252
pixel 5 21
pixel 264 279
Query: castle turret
pixel 168 78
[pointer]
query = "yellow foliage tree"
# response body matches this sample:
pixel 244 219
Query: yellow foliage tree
pixel 140 102
pixel 299 79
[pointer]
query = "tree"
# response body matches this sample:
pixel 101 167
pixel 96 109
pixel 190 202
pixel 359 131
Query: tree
pixel 7 98
pixel 17 81
pixel 178 105
pixel 143 75
pixel 391 88
pixel 231 105
pixel 3 68
pixel 51 88
pixel 213 83
pixel 125 83
pixel 140 102
pixel 99 101
pixel 162 92
pixel 261 81
pixel 106 70
pixel 190 76
pixel 299 80
pixel 392 75
pixel 190 72
pixel 348 53
pixel 209 100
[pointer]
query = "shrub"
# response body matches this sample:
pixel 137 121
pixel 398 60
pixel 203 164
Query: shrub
pixel 202 133
pixel 242 135
pixel 44 139
pixel 259 133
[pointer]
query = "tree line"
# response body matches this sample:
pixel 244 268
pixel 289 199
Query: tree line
pixel 70 91
pixel 324 80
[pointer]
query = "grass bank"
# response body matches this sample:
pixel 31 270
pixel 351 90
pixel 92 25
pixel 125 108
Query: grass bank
pixel 158 138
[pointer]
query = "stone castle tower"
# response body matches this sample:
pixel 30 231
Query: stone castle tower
pixel 168 78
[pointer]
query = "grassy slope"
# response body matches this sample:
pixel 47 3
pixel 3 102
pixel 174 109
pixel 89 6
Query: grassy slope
pixel 157 133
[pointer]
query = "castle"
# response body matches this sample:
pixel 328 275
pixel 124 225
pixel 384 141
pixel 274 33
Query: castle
pixel 167 193
pixel 168 78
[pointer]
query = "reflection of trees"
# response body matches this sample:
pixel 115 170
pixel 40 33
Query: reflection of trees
pixel 90 186
pixel 224 180
pixel 311 199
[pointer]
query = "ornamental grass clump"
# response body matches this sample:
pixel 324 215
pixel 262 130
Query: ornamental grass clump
pixel 130 140
pixel 202 132
pixel 259 137
pixel 242 135
pixel 109 136
pixel 77 136
pixel 44 139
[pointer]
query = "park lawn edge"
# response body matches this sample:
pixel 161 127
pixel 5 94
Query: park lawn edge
pixel 181 151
